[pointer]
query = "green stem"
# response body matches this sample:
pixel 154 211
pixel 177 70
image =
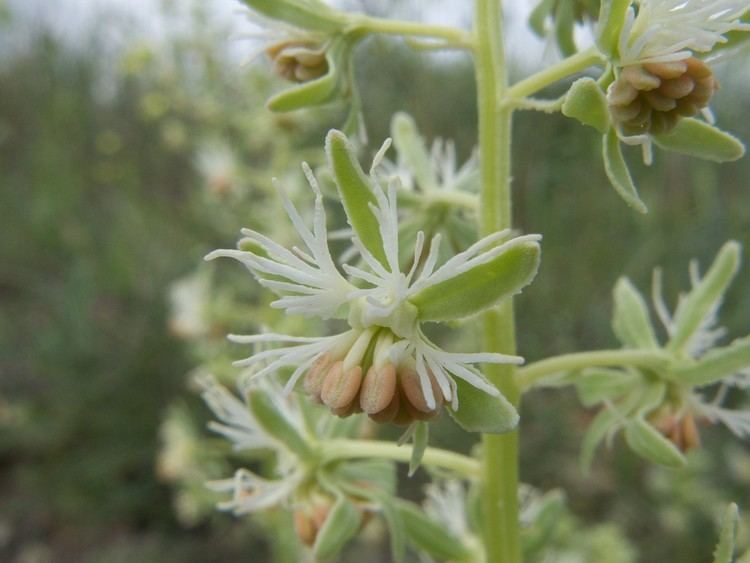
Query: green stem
pixel 368 449
pixel 563 69
pixel 499 452
pixel 537 372
pixel 452 36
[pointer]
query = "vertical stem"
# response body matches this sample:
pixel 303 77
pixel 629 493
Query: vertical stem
pixel 499 472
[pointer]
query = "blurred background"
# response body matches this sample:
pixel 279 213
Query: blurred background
pixel 133 140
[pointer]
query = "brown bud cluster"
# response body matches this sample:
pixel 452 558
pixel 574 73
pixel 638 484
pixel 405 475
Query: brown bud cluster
pixel 652 97
pixel 298 60
pixel 387 393
pixel 681 430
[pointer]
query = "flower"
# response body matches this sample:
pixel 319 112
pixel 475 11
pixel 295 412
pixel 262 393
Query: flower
pixel 660 408
pixel 659 78
pixel 384 363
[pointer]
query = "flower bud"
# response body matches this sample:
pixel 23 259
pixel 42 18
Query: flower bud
pixel 681 430
pixel 652 97
pixel 298 60
pixel 340 389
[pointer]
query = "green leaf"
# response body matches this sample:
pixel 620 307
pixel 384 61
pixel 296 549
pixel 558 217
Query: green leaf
pixel 724 552
pixel 706 296
pixel 304 14
pixel 419 445
pixel 321 90
pixel 697 138
pixel 598 384
pixel 380 473
pixel 618 173
pixel 537 536
pixel 631 322
pixel 538 16
pixel 479 412
pixel 411 147
pixel 480 287
pixel 604 423
pixel 649 443
pixel 270 418
pixel 341 525
pixel 355 192
pixel 716 364
pixel 612 14
pixel 429 536
pixel 586 102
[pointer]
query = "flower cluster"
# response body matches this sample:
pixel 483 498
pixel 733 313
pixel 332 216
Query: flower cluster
pixel 660 408
pixel 383 364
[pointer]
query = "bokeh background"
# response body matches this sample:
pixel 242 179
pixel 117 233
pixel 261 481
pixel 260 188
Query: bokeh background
pixel 133 141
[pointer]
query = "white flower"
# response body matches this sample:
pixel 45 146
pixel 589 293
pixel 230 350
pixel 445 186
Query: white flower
pixel 672 30
pixel 446 503
pixel 375 300
pixel 251 493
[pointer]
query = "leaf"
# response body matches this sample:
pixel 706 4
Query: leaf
pixel 706 296
pixel 355 192
pixel 310 14
pixel 480 287
pixel 649 443
pixel 630 321
pixel 564 24
pixel 321 90
pixel 341 525
pixel 479 412
pixel 586 102
pixel 429 536
pixel 380 473
pixel 538 16
pixel 716 364
pixel 411 147
pixel 697 138
pixel 618 173
pixel 548 515
pixel 724 552
pixel 612 15
pixel 270 418
pixel 419 445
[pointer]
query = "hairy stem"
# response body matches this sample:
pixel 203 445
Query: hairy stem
pixel 451 36
pixel 549 368
pixel 499 478
pixel 354 449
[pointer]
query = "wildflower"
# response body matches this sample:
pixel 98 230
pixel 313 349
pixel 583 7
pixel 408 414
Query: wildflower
pixel 660 409
pixel 384 364
pixel 659 78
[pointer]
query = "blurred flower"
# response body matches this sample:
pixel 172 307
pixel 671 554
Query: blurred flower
pixel 188 299
pixel 217 164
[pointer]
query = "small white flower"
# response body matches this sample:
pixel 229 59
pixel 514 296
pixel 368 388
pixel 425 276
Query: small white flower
pixel 375 299
pixel 446 503
pixel 672 30
pixel 251 493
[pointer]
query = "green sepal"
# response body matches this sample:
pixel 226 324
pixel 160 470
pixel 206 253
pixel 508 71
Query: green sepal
pixel 724 552
pixel 595 385
pixel 536 537
pixel 427 535
pixel 716 364
pixel 480 287
pixel 480 412
pixel 268 416
pixel 697 138
pixel 618 173
pixel 707 295
pixel 586 102
pixel 538 16
pixel 612 15
pixel 411 147
pixel 341 525
pixel 565 20
pixel 355 192
pixel 603 424
pixel 391 514
pixel 631 322
pixel 304 14
pixel 418 445
pixel 650 444
pixel 380 473
pixel 321 90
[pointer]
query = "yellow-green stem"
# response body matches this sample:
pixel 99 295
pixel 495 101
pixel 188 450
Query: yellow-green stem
pixel 499 477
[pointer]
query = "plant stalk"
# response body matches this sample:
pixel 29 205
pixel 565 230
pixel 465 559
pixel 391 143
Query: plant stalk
pixel 499 473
